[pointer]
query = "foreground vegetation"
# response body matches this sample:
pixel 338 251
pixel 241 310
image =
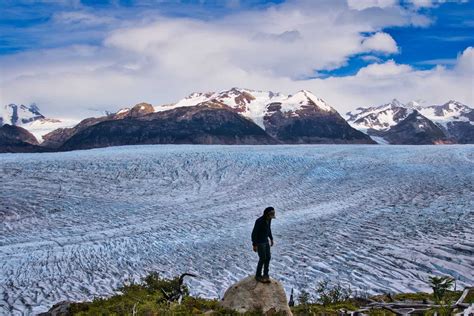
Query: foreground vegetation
pixel 159 296
pixel 149 298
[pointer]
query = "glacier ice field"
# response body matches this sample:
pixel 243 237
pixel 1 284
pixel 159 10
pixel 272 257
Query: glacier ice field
pixel 77 225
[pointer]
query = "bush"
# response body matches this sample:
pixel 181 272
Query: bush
pixel 440 286
pixel 304 298
pixel 332 294
pixel 144 298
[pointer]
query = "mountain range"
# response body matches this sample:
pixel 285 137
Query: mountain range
pixel 239 116
pixel 411 123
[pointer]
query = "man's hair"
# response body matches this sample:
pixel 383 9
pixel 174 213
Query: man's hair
pixel 268 210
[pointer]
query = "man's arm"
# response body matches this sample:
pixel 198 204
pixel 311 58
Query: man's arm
pixel 254 234
pixel 270 232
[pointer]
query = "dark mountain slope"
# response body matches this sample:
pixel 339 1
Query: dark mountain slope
pixel 17 139
pixel 311 125
pixel 184 125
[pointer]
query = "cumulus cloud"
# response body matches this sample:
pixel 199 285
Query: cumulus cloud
pixel 162 59
pixel 380 82
pixel 381 42
pixel 465 64
pixel 387 69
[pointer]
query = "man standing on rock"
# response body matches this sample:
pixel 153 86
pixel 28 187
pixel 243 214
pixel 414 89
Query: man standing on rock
pixel 262 240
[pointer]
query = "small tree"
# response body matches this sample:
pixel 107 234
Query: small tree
pixel 335 294
pixel 440 285
pixel 304 298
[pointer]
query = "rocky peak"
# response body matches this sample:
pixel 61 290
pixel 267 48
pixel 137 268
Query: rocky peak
pixel 236 98
pixel 141 109
pixel 414 129
pixel 453 106
pixel 413 105
pixel 451 111
pixel 14 114
pixel 305 98
pixel 396 103
pixel 198 96
pixel 138 110
pixel 380 117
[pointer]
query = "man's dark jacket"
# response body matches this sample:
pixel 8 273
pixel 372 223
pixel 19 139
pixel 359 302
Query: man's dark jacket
pixel 262 231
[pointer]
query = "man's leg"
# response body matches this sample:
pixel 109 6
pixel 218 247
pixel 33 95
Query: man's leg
pixel 261 259
pixel 266 263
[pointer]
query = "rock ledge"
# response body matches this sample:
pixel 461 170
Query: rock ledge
pixel 248 295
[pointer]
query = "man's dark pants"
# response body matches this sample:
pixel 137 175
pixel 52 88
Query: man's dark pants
pixel 264 257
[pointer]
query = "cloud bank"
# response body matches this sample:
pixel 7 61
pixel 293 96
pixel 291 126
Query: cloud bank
pixel 160 59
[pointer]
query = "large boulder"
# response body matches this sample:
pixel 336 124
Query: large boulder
pixel 248 295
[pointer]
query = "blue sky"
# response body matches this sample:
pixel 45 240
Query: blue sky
pixel 283 46
pixel 450 32
pixel 24 26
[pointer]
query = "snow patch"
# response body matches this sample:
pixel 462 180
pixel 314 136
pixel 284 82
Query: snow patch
pixel 41 127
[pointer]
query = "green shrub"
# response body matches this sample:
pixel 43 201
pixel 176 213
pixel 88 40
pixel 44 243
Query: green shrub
pixel 440 285
pixel 332 294
pixel 304 298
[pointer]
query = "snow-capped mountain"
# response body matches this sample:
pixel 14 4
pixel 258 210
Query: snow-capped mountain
pixel 455 119
pixel 254 104
pixel 415 129
pixel 30 118
pixel 380 117
pixel 13 114
pixel 298 118
pixel 451 111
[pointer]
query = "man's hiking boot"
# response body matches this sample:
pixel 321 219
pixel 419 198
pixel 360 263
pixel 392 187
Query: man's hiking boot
pixel 259 278
pixel 266 279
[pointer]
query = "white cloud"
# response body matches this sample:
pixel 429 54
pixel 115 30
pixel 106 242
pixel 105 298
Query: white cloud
pixel 387 69
pixel 379 83
pixel 424 3
pixel 162 60
pixel 381 42
pixel 371 59
pixel 465 64
pixel 364 4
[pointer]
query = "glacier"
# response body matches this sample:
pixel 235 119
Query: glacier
pixel 77 225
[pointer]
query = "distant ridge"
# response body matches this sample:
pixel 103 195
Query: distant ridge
pixel 451 122
pixel 246 116
pixel 235 116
